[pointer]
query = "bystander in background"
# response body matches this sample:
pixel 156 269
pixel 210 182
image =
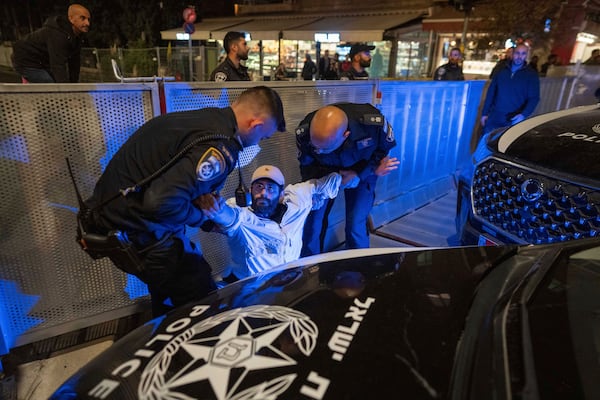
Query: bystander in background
pixel 513 93
pixel 52 54
pixel 309 69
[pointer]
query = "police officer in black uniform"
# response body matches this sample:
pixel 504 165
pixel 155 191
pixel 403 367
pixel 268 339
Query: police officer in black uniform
pixel 451 71
pixel 200 149
pixel 349 137
pixel 360 58
pixel 231 69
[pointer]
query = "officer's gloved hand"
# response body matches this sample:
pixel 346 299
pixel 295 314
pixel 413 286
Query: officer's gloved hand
pixel 516 119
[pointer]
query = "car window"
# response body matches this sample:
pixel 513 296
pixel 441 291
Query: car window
pixel 564 316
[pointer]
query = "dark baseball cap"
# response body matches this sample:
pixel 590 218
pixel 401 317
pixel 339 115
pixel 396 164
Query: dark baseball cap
pixel 357 48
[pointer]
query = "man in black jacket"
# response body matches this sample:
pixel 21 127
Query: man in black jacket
pixel 180 156
pixel 52 53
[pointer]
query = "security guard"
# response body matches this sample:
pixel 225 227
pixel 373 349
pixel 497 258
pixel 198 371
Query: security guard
pixel 160 170
pixel 344 137
pixel 231 69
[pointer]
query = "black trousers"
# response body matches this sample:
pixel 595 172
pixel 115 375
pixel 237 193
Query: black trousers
pixel 174 269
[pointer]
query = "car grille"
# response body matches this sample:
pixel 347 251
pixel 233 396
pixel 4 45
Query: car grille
pixel 532 207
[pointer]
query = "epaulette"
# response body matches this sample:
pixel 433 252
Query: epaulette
pixel 373 119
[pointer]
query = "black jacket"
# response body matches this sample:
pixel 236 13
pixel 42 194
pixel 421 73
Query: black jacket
pixel 370 140
pixel 164 206
pixel 226 71
pixel 54 48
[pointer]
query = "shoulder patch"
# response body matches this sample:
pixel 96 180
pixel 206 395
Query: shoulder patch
pixel 211 165
pixel 220 77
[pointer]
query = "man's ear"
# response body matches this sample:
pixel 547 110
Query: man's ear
pixel 256 123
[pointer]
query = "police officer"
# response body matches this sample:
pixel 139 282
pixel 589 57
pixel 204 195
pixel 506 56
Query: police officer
pixel 231 69
pixel 451 71
pixel 200 148
pixel 360 58
pixel 344 137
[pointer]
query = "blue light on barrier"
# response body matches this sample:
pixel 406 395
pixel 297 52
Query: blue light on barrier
pixel 14 309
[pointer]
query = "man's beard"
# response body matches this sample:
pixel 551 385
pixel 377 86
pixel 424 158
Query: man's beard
pixel 243 56
pixel 264 207
pixel 365 63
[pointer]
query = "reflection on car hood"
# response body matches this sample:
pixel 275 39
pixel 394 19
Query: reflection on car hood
pixel 356 328
pixel 566 141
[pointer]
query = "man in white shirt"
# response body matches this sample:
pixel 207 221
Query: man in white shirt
pixel 268 233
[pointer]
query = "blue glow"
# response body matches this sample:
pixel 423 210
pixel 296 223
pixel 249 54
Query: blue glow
pixel 14 148
pixel 14 308
pixel 135 288
pixel 177 98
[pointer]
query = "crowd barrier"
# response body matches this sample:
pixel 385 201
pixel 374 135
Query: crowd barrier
pixel 49 287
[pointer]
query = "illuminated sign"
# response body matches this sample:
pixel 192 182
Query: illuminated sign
pixel 182 36
pixel 327 37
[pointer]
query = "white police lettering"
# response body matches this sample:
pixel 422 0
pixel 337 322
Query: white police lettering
pixel 581 136
pixel 315 392
pixel 342 337
pixel 103 389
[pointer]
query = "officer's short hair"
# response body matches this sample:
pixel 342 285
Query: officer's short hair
pixel 232 37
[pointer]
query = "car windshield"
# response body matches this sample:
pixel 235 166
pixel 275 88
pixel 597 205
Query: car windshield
pixel 564 318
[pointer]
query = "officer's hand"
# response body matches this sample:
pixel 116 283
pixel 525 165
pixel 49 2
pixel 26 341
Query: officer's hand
pixel 387 165
pixel 484 119
pixel 350 179
pixel 209 203
pixel 516 119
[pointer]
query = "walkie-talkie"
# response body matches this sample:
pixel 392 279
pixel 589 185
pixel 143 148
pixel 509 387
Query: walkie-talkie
pixel 242 194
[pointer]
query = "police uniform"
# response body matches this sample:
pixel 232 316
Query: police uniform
pixel 226 71
pixel 449 72
pixel 154 218
pixel 369 142
pixel 353 74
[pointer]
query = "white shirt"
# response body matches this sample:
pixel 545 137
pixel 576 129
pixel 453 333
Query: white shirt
pixel 258 244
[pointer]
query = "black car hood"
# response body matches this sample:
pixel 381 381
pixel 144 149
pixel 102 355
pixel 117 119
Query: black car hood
pixel 566 141
pixel 357 328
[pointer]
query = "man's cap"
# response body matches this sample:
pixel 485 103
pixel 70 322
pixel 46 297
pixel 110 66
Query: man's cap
pixel 268 172
pixel 358 47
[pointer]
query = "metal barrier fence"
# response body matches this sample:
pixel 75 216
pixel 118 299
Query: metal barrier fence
pixel 48 286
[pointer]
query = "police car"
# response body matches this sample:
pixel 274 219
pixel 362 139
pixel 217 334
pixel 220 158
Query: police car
pixel 536 182
pixel 456 323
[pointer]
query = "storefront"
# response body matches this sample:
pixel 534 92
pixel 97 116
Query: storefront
pixel 398 37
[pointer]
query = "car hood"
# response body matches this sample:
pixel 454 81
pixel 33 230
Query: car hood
pixel 566 141
pixel 353 328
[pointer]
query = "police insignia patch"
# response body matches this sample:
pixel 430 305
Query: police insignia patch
pixel 220 77
pixel 211 165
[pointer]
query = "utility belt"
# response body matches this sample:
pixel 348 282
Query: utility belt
pixel 115 245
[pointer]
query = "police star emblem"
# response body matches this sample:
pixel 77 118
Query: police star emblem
pixel 211 165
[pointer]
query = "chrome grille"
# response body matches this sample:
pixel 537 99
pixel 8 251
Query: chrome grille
pixel 532 207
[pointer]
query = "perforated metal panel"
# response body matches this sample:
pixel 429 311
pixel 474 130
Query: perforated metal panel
pixel 299 98
pixel 46 280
